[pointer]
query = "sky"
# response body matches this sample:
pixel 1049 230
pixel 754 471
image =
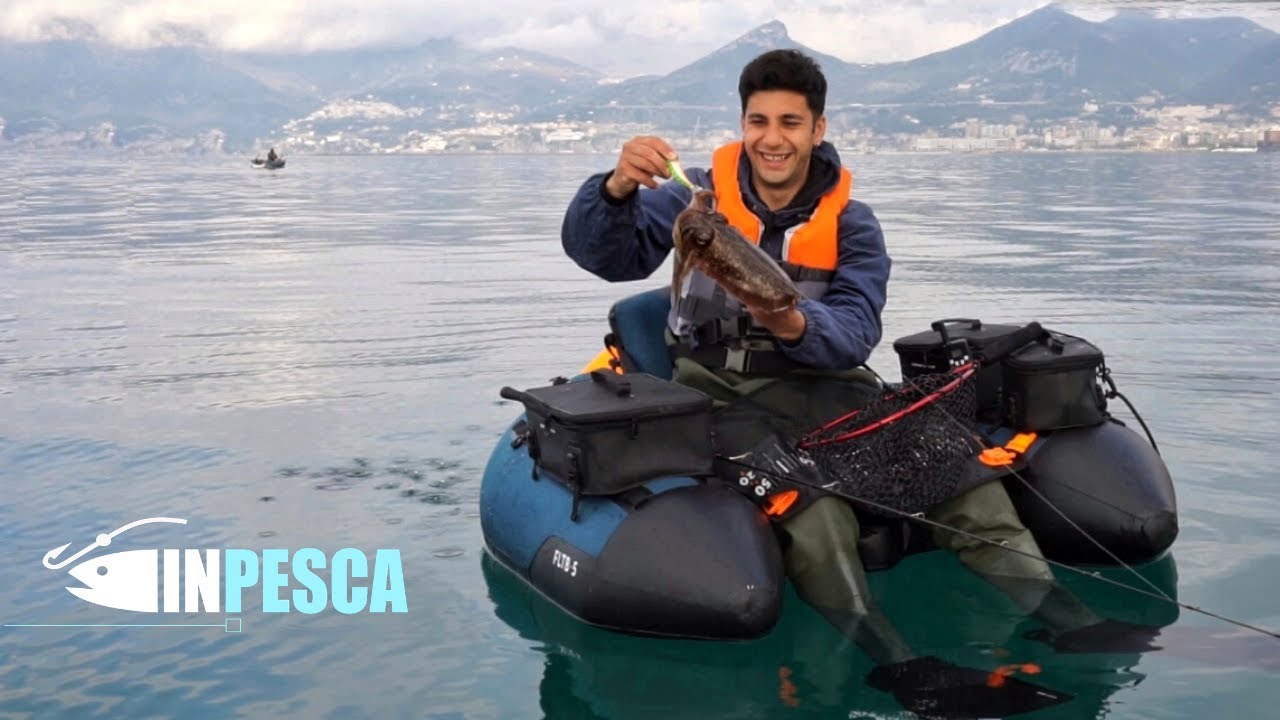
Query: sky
pixel 622 39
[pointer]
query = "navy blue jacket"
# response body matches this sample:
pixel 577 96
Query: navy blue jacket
pixel 628 239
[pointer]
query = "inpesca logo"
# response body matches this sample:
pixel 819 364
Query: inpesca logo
pixel 214 581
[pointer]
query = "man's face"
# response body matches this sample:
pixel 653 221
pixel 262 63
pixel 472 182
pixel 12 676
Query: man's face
pixel 779 133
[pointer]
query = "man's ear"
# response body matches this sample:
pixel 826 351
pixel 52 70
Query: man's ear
pixel 819 130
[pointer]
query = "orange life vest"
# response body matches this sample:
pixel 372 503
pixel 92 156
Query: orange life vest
pixel 812 244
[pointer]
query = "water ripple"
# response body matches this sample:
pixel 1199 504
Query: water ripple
pixel 311 358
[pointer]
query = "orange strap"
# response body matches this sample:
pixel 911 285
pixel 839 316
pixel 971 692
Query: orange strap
pixel 1002 456
pixel 780 502
pixel 996 678
pixel 787 692
pixel 608 359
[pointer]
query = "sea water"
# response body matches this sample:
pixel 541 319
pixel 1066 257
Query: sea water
pixel 311 358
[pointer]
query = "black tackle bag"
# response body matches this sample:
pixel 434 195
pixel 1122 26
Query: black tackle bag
pixel 609 432
pixel 953 340
pixel 1054 383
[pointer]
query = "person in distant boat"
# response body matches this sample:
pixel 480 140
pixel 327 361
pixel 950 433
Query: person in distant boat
pixel 784 186
pixel 271 155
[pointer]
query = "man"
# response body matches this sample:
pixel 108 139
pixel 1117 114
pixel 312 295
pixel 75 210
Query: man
pixel 271 155
pixel 784 187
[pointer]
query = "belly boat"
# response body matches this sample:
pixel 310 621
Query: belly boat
pixel 683 557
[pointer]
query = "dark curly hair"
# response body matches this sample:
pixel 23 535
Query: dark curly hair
pixel 785 70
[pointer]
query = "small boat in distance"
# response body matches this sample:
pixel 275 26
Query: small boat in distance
pixel 272 162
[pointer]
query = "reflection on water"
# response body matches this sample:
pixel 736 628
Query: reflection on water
pixel 311 358
pixel 803 669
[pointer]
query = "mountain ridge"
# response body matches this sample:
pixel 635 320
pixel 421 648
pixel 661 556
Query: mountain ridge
pixel 1043 65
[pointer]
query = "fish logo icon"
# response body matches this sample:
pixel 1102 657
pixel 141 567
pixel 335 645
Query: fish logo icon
pixel 173 580
pixel 122 580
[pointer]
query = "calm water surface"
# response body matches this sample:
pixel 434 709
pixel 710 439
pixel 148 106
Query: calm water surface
pixel 312 357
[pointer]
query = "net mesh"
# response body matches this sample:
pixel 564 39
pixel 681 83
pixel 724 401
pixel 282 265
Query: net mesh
pixel 908 449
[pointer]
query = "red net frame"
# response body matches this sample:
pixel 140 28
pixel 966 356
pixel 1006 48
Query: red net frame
pixel 908 449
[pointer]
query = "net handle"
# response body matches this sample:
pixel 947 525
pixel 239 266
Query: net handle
pixel 997 349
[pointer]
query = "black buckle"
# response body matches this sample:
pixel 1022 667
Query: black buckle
pixel 521 432
pixel 722 330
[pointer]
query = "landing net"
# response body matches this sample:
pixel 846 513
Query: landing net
pixel 909 449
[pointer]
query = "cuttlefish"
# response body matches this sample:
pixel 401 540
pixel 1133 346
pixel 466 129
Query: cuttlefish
pixel 704 240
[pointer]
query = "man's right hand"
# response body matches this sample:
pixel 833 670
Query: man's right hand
pixel 642 158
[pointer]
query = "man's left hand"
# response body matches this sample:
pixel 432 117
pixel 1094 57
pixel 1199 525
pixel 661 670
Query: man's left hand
pixel 787 325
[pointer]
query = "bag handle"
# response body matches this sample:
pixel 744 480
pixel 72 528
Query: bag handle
pixel 511 393
pixel 940 326
pixel 1055 344
pixel 617 384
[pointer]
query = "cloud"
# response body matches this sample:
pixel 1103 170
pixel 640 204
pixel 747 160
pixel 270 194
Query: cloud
pixel 900 31
pixel 623 39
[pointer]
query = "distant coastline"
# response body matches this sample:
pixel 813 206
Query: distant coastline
pixel 77 151
pixel 1047 79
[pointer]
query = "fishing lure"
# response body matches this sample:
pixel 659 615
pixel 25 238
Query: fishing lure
pixel 677 174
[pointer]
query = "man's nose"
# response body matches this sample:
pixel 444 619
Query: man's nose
pixel 772 134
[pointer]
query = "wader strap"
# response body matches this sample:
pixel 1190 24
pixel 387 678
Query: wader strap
pixel 736 344
pixel 763 361
pixel 800 273
pixel 701 310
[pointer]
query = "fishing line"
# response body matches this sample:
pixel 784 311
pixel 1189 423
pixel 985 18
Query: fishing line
pixel 1158 594
pixel 1096 575
pixel 985 442
pixel 982 441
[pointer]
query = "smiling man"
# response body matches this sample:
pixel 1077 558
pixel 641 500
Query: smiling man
pixel 783 187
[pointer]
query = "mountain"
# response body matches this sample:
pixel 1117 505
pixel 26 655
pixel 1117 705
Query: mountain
pixel 67 84
pixel 1044 66
pixel 70 84
pixel 1186 52
pixel 1044 56
pixel 1251 80
pixel 705 87
pixel 438 73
